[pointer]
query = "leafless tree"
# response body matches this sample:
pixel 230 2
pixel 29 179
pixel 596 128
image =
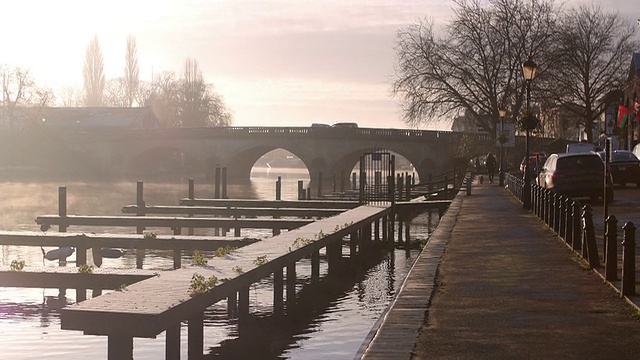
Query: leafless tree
pixel 116 93
pixel 93 74
pixel 476 65
pixel 71 96
pixel 593 52
pixel 162 96
pixel 198 105
pixel 19 90
pixel 131 71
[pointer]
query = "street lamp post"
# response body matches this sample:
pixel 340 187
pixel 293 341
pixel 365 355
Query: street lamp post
pixel 529 68
pixel 503 113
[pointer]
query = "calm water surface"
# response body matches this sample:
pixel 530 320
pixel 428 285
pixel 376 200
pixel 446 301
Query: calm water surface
pixel 337 314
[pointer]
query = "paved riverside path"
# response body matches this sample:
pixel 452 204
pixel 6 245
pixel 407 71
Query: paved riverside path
pixel 506 288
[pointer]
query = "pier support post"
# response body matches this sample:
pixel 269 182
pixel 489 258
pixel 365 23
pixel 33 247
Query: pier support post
pixel 172 343
pixel 195 325
pixel 291 286
pixel 279 188
pixel 243 303
pixel 119 347
pixel 334 254
pixel 232 304
pixel 315 266
pixel 278 289
pixel 385 228
pixel 377 229
pixel 353 244
pixel 300 190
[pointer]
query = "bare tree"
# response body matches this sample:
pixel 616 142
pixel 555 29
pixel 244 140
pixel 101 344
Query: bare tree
pixel 116 93
pixel 71 96
pixel 131 71
pixel 476 65
pixel 162 96
pixel 593 51
pixel 93 74
pixel 19 90
pixel 198 105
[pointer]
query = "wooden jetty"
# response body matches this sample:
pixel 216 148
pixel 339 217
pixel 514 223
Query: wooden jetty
pixel 274 204
pixel 231 211
pixel 69 277
pixel 84 241
pixel 161 303
pixel 171 222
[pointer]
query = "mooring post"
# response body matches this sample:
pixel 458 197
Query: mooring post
pixel 629 260
pixel 177 253
pixel 300 190
pixel 611 248
pixel 308 193
pixel 354 182
pixel 319 184
pixel 216 183
pixel 342 178
pixel 172 343
pixel 407 188
pixel 589 238
pixel 140 229
pixel 192 195
pixel 279 188
pixel 195 333
pixel 224 183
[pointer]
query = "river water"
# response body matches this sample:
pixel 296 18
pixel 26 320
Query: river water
pixel 338 313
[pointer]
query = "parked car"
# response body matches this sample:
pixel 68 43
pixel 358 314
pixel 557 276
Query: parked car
pixel 624 167
pixel 575 175
pixel 580 147
pixel 536 160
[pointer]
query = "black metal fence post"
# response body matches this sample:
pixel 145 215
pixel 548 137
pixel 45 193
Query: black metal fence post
pixel 589 246
pixel 576 240
pixel 561 216
pixel 611 246
pixel 568 223
pixel 629 259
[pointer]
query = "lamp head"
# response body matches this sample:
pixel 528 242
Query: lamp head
pixel 529 68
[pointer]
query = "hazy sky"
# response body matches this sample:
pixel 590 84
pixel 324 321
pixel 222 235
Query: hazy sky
pixel 276 63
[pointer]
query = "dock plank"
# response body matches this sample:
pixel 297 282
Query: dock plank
pixel 123 241
pixel 69 277
pixel 232 211
pixel 275 204
pixel 169 222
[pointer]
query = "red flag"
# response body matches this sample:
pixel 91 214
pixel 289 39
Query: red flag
pixel 623 116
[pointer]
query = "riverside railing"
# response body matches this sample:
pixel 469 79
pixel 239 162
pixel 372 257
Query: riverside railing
pixel 573 223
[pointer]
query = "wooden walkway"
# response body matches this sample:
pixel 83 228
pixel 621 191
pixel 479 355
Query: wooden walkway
pixel 234 212
pixel 274 204
pixel 161 303
pixel 45 221
pixel 123 241
pixel 68 277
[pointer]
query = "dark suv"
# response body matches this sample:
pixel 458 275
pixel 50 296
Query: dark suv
pixel 575 175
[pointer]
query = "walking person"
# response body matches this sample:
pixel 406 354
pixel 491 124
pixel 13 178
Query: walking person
pixel 491 165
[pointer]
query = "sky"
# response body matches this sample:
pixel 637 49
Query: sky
pixel 274 62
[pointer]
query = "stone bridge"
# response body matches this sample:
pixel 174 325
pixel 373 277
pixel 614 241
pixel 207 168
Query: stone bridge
pixel 328 153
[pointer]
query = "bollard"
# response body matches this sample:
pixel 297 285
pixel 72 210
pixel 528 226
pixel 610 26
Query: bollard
pixel 568 222
pixel 611 247
pixel 468 186
pixel 589 246
pixel 576 239
pixel 629 260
